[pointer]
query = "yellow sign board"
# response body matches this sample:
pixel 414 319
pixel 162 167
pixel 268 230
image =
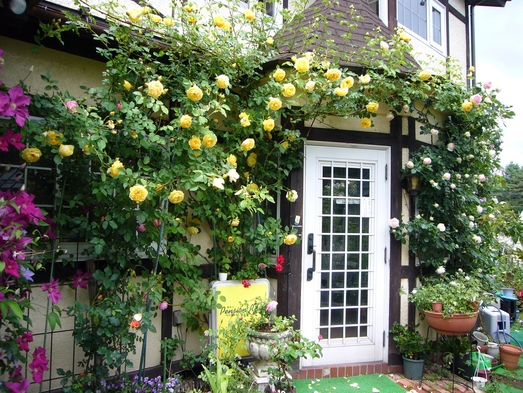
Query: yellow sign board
pixel 234 294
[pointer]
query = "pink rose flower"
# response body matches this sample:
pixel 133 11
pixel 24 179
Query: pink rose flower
pixel 394 223
pixel 271 306
pixel 476 99
pixel 390 116
pixel 119 106
pixel 141 227
pixel 427 161
pixel 163 305
pixel 71 106
pixel 451 146
pixel 410 165
pixel 487 85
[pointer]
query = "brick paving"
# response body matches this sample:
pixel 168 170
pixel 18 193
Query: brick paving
pixel 434 385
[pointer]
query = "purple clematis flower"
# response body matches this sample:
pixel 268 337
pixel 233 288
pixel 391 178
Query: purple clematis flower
pixel 13 104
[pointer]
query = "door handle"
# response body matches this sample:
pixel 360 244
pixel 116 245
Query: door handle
pixel 311 250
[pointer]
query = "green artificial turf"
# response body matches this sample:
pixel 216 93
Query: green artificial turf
pixel 372 383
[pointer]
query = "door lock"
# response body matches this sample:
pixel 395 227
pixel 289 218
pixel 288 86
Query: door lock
pixel 311 250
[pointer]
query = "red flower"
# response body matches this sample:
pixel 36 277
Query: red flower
pixel 135 324
pixel 278 268
pixel 246 283
pixel 280 259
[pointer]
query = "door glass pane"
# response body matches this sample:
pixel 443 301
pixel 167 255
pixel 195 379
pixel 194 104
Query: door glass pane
pixel 346 239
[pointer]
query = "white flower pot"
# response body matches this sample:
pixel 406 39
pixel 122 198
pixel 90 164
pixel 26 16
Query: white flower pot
pixel 222 276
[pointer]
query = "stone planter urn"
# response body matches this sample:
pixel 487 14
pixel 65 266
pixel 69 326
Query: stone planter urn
pixel 259 345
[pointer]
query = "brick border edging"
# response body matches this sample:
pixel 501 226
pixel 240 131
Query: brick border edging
pixel 346 370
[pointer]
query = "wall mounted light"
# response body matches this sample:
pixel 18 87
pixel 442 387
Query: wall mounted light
pixel 17 6
pixel 411 184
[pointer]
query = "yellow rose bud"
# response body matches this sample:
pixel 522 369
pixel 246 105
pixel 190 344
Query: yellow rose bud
pixel 194 93
pixel 231 160
pixel 155 18
pixel 404 36
pixel 154 89
pixel 251 160
pixel 127 86
pixel 185 121
pixel 248 144
pixel 234 222
pixel 66 150
pixel 302 64
pixel 288 90
pixel 176 196
pixel 134 15
pixel 138 193
pixel 364 79
pixel 160 187
pixel 425 75
pixel 113 170
pixel 209 140
pixel 270 41
pixel 252 187
pixel 188 8
pixel 348 82
pixel 365 122
pixel 310 85
pixel 279 75
pixel 274 103
pixel 222 81
pixel 195 143
pixel 290 239
pixel 249 15
pixel 31 154
pixel 341 91
pixel 333 74
pixel 285 145
pixel 372 106
pixel 268 124
pixel 230 239
pixel 87 149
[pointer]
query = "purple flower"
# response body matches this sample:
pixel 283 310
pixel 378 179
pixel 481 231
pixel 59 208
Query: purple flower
pixel 26 273
pixel 13 104
pixel 13 139
pixel 53 292
pixel 12 268
pixel 80 279
pixel 39 364
pixel 163 305
pixel 24 340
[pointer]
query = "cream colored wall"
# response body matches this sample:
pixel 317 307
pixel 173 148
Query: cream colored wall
pixel 70 71
pixel 458 45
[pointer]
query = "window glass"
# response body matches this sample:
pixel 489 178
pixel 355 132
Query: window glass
pixel 413 15
pixel 436 26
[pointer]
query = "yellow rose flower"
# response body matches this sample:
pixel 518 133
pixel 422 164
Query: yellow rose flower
pixel 231 160
pixel 285 145
pixel 222 81
pixel 87 149
pixel 209 140
pixel 467 106
pixel 341 91
pixel 251 160
pixel 194 93
pixel 113 170
pixel 154 89
pixel 333 74
pixel 146 10
pixel 249 15
pixel 270 41
pixel 372 106
pixel 290 239
pixel 404 36
pixel 127 86
pixel 66 150
pixel 365 122
pixel 234 222
pixel 244 119
pixel 176 196
pixel 54 138
pixel 169 22
pixel 185 121
pixel 425 75
pixel 268 124
pixel 274 103
pixel 364 79
pixel 134 15
pixel 251 187
pixel 155 18
pixel 187 8
pixel 279 75
pixel 191 19
pixel 288 90
pixel 230 239
pixel 195 143
pixel 134 134
pixel 193 230
pixel 348 82
pixel 219 21
pixel 31 154
pixel 248 144
pixel 310 85
pixel 160 187
pixel 302 64
pixel 138 193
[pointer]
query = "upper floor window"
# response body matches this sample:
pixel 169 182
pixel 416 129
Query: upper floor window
pixel 424 18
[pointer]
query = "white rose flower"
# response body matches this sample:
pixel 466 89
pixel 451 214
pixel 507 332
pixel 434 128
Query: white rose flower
pixel 441 227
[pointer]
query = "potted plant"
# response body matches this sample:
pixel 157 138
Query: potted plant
pixel 459 294
pixel 411 346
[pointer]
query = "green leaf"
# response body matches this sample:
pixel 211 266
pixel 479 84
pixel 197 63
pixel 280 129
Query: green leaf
pixel 54 319
pixel 15 308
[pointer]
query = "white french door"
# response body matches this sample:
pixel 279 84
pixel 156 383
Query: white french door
pixel 346 236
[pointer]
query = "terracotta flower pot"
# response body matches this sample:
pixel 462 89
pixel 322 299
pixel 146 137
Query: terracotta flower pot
pixel 509 355
pixel 437 306
pixel 455 325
